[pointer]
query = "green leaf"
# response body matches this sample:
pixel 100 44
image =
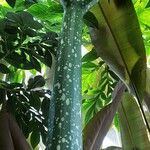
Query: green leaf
pixel 90 20
pixel 24 19
pixel 44 136
pixel 48 58
pixel 23 98
pixel 116 122
pixel 15 85
pixel 35 100
pixel 139 5
pixel 11 28
pixel 144 16
pixel 28 3
pixel 30 32
pixel 148 4
pixel 21 62
pixel 147 92
pixel 44 12
pixel 89 113
pixel 89 65
pixel 11 2
pixel 133 129
pixel 102 122
pixel 119 43
pixel 4 69
pixel 39 10
pixel 35 138
pixel 36 82
pixel 35 63
pixel 45 107
pixel 92 55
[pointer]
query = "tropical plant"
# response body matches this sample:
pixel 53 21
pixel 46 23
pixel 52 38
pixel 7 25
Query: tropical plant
pixel 25 45
pixel 31 38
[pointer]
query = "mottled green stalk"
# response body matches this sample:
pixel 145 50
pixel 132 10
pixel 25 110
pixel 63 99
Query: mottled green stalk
pixel 65 131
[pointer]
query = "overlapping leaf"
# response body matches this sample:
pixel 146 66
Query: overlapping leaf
pixel 119 43
pixel 98 126
pixel 133 129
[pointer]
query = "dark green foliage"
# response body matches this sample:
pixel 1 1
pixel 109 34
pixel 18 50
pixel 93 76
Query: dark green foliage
pixel 148 5
pixel 29 106
pixel 22 40
pixel 11 2
pixel 92 55
pixel 35 138
pixel 90 20
pixel 36 82
pixel 4 69
pixel 27 45
pixel 28 3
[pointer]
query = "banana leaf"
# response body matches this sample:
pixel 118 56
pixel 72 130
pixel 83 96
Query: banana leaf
pixel 97 128
pixel 133 129
pixel 118 41
pixel 147 92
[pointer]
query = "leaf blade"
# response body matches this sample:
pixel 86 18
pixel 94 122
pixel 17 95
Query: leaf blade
pixel 133 129
pixel 101 122
pixel 122 51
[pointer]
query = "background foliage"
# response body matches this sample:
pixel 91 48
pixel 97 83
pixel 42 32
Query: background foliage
pixel 29 34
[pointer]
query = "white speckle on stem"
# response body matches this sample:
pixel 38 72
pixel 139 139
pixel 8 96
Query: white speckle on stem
pixel 62 119
pixel 63 140
pixel 58 69
pixel 67 101
pixel 57 85
pixel 70 65
pixel 63 96
pixel 58 147
pixel 59 125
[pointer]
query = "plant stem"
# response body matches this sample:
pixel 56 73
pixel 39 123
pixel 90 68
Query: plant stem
pixel 64 129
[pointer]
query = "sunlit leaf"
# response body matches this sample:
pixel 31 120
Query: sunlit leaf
pixel 144 16
pixel 119 43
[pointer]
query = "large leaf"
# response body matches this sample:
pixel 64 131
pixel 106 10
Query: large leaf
pixel 119 43
pixel 147 93
pixel 133 129
pixel 98 126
